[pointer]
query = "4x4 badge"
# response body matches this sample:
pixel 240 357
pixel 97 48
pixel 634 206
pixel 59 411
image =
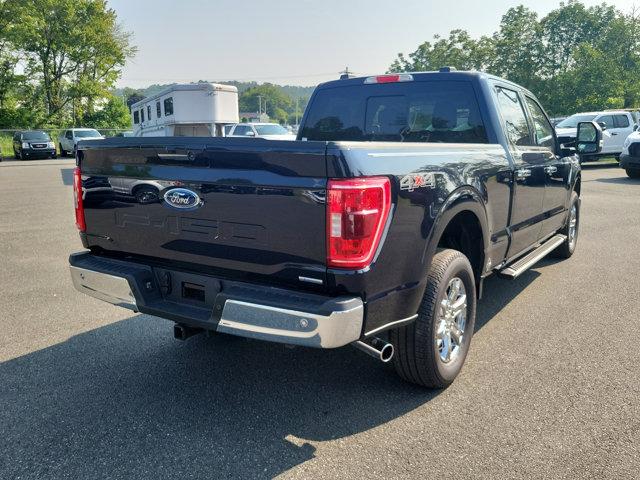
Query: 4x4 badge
pixel 417 180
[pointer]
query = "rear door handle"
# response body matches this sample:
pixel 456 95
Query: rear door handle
pixel 550 170
pixel 523 173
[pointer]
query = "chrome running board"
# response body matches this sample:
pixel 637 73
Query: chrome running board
pixel 517 268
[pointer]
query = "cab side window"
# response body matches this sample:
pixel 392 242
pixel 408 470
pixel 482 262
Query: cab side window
pixel 516 126
pixel 621 121
pixel 541 125
pixel 69 134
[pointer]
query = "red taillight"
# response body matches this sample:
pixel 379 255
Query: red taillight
pixel 77 200
pixel 357 211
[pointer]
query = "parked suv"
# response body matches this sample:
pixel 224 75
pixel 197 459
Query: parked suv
pixel 33 144
pixel 618 124
pixel 68 140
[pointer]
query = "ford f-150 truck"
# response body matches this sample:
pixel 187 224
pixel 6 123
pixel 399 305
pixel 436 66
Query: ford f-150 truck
pixel 375 228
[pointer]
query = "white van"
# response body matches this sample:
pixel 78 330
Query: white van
pixel 188 110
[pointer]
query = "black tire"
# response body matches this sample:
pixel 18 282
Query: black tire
pixel 418 359
pixel 633 173
pixel 566 249
pixel 63 152
pixel 19 155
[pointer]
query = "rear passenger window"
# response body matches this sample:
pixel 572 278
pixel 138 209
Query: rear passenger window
pixel 516 126
pixel 541 126
pixel 621 121
pixel 168 106
pixel 142 114
pixel 136 117
pixel 148 112
pixel 397 112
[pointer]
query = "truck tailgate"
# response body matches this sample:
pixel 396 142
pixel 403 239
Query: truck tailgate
pixel 258 208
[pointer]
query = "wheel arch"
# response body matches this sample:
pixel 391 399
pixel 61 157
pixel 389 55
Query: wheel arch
pixel 463 213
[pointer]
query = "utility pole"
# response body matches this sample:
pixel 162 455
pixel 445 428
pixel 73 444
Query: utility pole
pixel 260 105
pixel 297 99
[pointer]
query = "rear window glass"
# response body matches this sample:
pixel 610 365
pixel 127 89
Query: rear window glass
pixel 399 112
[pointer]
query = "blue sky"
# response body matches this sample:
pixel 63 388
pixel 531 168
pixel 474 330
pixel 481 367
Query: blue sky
pixel 297 42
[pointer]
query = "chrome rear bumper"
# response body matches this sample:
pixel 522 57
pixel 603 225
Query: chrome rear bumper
pixel 327 323
pixel 109 288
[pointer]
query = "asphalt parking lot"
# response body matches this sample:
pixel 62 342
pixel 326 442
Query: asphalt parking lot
pixel 551 387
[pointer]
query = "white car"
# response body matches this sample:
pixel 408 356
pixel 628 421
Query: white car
pixel 618 126
pixel 270 131
pixel 68 140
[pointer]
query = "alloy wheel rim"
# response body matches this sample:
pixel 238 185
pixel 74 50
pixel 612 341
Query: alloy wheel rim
pixel 573 225
pixel 452 320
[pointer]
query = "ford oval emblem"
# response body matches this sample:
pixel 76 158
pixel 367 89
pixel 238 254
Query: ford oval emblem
pixel 183 198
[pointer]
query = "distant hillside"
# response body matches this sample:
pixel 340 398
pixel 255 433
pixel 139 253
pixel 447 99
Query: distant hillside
pixel 293 91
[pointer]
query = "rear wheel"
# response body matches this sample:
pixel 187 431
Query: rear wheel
pixel 432 350
pixel 633 172
pixel 570 229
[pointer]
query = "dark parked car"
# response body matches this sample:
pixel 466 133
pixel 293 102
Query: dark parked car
pixel 375 228
pixel 33 144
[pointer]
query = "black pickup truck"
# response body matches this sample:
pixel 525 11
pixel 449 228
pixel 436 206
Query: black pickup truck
pixel 375 228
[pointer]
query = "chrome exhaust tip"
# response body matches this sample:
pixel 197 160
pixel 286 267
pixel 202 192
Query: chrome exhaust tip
pixel 377 348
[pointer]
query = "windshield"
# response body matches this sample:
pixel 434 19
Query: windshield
pixel 396 112
pixel 42 136
pixel 271 130
pixel 573 120
pixel 87 133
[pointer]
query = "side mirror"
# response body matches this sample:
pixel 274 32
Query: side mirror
pixel 589 138
pixel 635 127
pixel 603 125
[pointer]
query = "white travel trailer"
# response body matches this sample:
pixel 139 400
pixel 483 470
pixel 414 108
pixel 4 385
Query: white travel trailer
pixel 188 110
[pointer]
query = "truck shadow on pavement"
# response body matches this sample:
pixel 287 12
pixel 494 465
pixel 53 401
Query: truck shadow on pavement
pixel 128 401
pixel 619 180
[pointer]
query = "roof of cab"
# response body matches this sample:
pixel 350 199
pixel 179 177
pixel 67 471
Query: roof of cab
pixel 443 75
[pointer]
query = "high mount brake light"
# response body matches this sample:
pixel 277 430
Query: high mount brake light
pixel 400 77
pixel 77 200
pixel 357 211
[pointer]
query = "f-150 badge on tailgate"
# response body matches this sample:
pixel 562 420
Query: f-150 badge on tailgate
pixel 417 180
pixel 183 199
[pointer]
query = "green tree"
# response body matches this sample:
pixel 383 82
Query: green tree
pixel 574 59
pixel 458 50
pixel 113 114
pixel 518 47
pixel 278 104
pixel 74 48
